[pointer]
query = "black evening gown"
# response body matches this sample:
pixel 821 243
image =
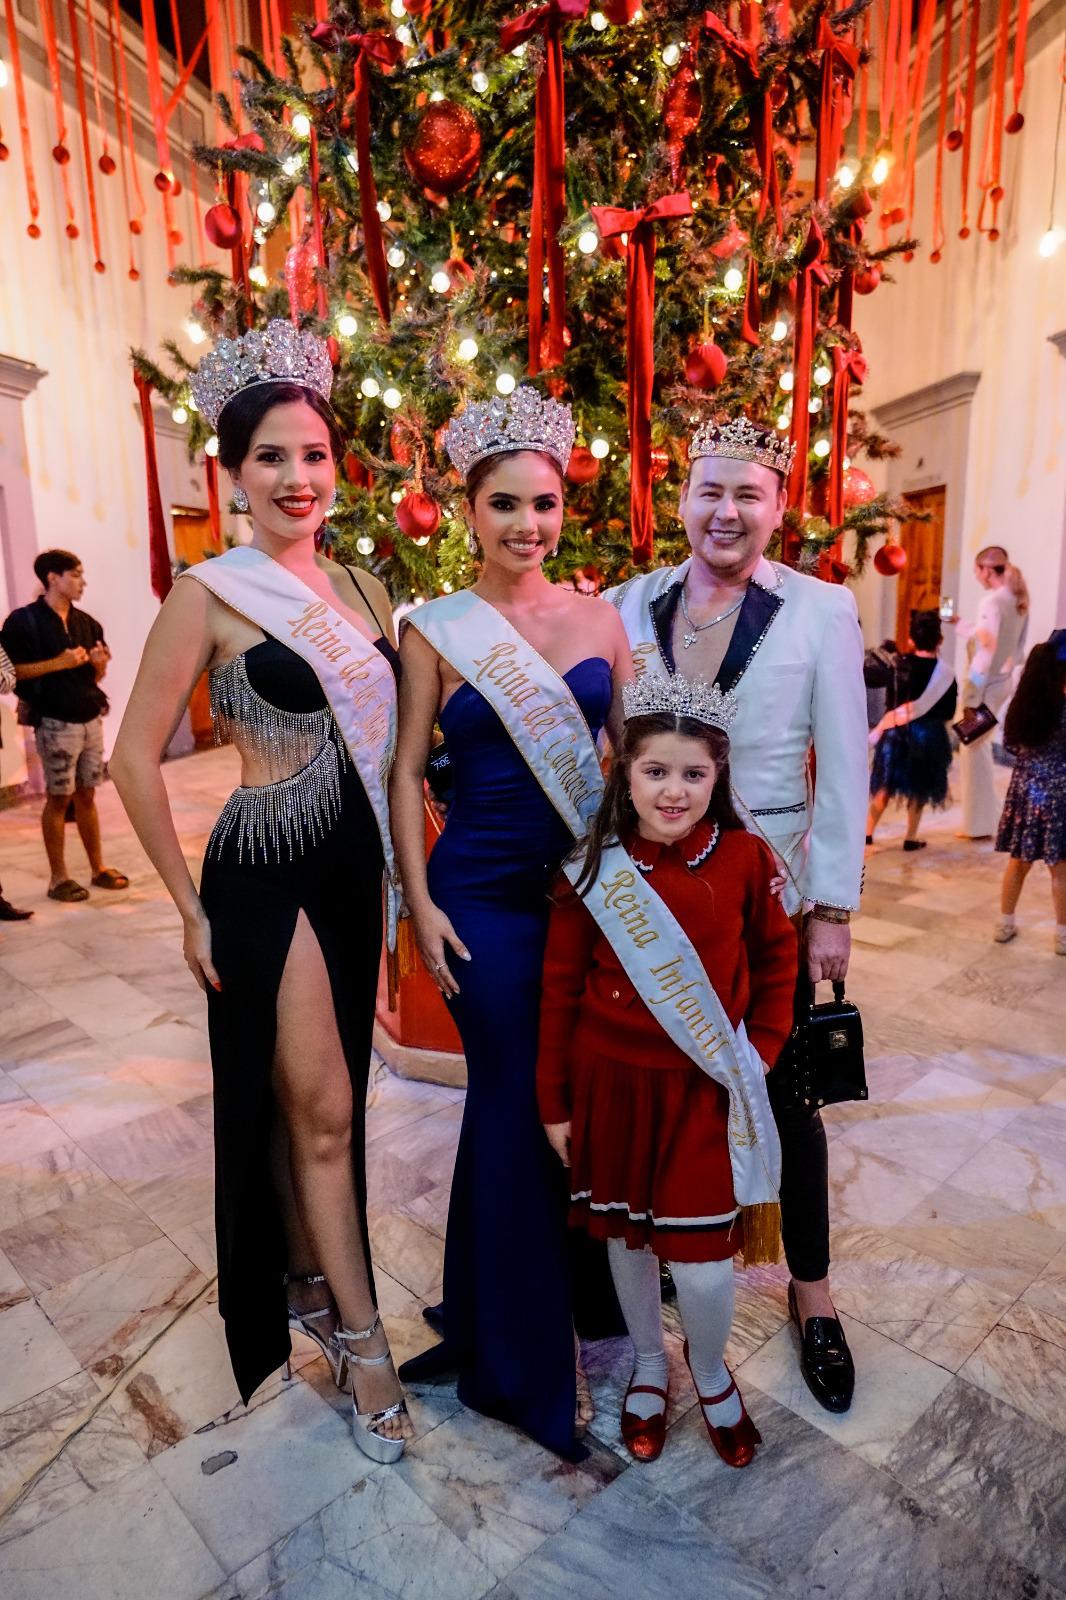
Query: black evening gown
pixel 310 843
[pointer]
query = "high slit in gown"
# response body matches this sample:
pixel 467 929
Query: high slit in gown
pixel 508 1314
pixel 307 842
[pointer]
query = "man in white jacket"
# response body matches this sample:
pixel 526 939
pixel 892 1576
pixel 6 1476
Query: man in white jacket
pixel 790 648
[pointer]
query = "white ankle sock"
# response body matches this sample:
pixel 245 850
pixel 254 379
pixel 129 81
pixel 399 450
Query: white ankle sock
pixel 636 1282
pixel 705 1300
pixel 1008 919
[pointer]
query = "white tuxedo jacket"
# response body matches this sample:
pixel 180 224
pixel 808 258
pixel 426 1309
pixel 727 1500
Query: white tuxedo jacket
pixel 795 665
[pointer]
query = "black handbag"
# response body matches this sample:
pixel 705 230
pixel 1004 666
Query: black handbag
pixel 974 723
pixel 822 1062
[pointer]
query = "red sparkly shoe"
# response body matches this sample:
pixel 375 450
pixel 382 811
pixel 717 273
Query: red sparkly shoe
pixel 644 1437
pixel 735 1445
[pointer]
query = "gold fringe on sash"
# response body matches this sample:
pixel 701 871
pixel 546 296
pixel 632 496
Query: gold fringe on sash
pixel 760 1235
pixel 403 961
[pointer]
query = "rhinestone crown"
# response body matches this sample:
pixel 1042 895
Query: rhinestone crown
pixel 741 440
pixel 524 421
pixel 682 697
pixel 278 353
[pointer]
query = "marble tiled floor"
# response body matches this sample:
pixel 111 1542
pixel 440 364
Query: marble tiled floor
pixel 947 1479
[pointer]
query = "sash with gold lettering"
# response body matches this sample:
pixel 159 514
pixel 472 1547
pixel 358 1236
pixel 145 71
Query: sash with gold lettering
pixel 633 600
pixel 355 677
pixel 661 963
pixel 530 698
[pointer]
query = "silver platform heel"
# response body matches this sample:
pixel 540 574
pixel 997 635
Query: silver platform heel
pixel 299 1322
pixel 366 1423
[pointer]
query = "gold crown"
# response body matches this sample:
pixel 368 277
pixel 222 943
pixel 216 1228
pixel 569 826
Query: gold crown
pixel 524 421
pixel 278 353
pixel 741 440
pixel 681 697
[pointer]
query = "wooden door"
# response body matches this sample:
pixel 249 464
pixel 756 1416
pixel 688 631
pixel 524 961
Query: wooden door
pixel 193 542
pixel 920 581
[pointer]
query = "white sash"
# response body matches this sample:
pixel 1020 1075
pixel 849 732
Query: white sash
pixel 633 601
pixel 530 698
pixel 355 677
pixel 669 977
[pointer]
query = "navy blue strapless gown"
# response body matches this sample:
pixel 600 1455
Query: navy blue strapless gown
pixel 508 1307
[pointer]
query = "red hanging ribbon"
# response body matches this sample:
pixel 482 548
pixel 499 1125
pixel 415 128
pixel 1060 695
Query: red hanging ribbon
pixel 864 87
pixel 158 549
pixel 640 352
pixel 98 99
pixel 155 84
pixel 79 86
pixel 316 224
pixel 1021 33
pixel 213 514
pixel 548 210
pixel 993 159
pixel 810 276
pixel 239 254
pixel 745 57
pixel 840 61
pixel 385 50
pixel 130 146
pixel 749 326
pixel 921 72
pixel 941 129
pixel 847 365
pixel 971 92
pixel 32 197
pixel 48 24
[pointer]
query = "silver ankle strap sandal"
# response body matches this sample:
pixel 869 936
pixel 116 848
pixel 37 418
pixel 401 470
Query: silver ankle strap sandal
pixel 299 1322
pixel 377 1446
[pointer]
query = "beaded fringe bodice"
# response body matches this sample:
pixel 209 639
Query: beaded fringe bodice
pixel 300 754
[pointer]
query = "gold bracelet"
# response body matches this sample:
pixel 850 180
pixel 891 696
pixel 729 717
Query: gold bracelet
pixel 832 914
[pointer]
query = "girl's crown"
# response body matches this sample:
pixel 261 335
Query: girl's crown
pixel 278 353
pixel 681 697
pixel 524 421
pixel 741 440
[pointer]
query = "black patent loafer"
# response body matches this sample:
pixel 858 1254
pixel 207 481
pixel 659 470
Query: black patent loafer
pixel 825 1360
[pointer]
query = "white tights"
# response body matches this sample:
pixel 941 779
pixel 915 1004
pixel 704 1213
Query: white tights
pixel 705 1300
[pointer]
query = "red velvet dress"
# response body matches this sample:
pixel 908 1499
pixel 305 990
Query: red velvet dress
pixel 649 1152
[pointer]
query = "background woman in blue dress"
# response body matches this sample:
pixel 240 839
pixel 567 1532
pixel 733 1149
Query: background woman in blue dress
pixel 480 914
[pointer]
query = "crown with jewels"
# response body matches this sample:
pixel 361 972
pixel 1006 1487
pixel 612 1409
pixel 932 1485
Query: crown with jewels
pixel 741 440
pixel 278 353
pixel 524 421
pixel 681 697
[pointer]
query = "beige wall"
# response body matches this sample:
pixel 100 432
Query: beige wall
pixel 965 375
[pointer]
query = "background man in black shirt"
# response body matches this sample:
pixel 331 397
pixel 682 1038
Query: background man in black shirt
pixel 60 656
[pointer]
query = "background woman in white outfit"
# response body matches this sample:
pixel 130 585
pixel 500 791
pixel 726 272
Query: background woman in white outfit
pixel 995 649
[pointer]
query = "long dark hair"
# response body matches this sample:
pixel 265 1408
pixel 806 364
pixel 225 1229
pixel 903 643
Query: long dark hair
pixel 616 808
pixel 1036 710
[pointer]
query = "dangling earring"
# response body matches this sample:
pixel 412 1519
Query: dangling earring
pixel 334 497
pixel 240 498
pixel 471 541
pixel 553 552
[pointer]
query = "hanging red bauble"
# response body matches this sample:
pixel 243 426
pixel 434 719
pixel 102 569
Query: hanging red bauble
pixel 417 515
pixel 1014 123
pixel 778 93
pixel 890 560
pixel 417 8
pixel 175 236
pixel 620 11
pixel 98 266
pixel 459 271
pixel 867 279
pixel 446 150
pixel 682 108
pixel 72 230
pixel 954 139
pixel 891 218
pixel 706 365
pixel 356 473
pixel 135 225
pixel 934 256
pixel 222 226
pixel 33 230
pixel 176 188
pixel 732 240
pixel 5 153
pixel 400 444
pixel 582 466
pixel 106 164
pixel 133 275
pixel 660 463
pixel 60 154
pixel 386 548
pixel 301 263
pixel 858 487
pixel 164 181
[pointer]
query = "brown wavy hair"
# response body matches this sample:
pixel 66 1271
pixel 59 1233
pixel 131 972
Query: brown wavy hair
pixel 616 808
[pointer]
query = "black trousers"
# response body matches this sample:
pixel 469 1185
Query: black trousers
pixel 804 1177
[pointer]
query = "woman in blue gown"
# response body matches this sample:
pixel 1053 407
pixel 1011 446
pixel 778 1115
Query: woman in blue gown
pixel 480 915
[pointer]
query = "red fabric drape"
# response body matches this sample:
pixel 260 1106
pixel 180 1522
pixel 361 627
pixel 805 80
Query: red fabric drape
pixel 745 57
pixel 316 224
pixel 131 150
pixel 48 26
pixel 158 548
pixel 386 50
pixel 213 513
pixel 155 84
pixel 810 277
pixel 967 128
pixel 32 197
pixel 640 359
pixel 98 99
pixel 548 211
pixel 86 147
pixel 840 62
pixel 941 130
pixel 926 20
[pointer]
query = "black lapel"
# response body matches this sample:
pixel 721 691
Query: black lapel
pixel 663 611
pixel 756 614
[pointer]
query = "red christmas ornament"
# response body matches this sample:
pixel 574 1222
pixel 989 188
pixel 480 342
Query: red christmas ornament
pixel 176 190
pixel 935 256
pixel 72 230
pixel 417 8
pixel 996 193
pixel 222 226
pixel 357 474
pixel 133 275
pixel 858 487
pixel 164 181
pixel 98 266
pixel 175 236
pixel 908 255
pixel 660 463
pixel 545 345
pixel 446 150
pixel 60 154
pixel 400 445
pixel 964 233
pixel 778 93
pixel 867 279
pixel 301 263
pixel 417 515
pixel 583 466
pixel 5 153
pixel 732 240
pixel 682 108
pixel 954 140
pixel 890 560
pixel 106 164
pixel 33 230
pixel 135 225
pixel 890 219
pixel 458 270
pixel 620 11
pixel 706 365
pixel 1014 123
pixel 386 548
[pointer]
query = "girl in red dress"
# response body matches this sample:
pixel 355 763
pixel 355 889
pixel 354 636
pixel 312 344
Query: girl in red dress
pixel 642 1128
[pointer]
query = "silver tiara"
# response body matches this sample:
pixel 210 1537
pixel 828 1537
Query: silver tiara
pixel 741 440
pixel 524 421
pixel 681 697
pixel 278 353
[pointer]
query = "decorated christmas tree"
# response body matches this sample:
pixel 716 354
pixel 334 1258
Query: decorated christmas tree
pixel 641 210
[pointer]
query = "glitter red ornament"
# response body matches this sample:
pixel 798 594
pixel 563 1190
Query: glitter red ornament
pixel 858 487
pixel 222 226
pixel 301 263
pixel 660 463
pixel 682 108
pixel 582 466
pixel 890 560
pixel 867 279
pixel 706 365
pixel 400 445
pixel 417 515
pixel 446 150
pixel 620 11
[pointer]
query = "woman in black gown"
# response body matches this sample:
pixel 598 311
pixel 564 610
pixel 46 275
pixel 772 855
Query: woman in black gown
pixel 285 934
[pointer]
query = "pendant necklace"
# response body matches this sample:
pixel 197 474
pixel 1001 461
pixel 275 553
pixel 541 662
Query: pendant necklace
pixel 696 628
